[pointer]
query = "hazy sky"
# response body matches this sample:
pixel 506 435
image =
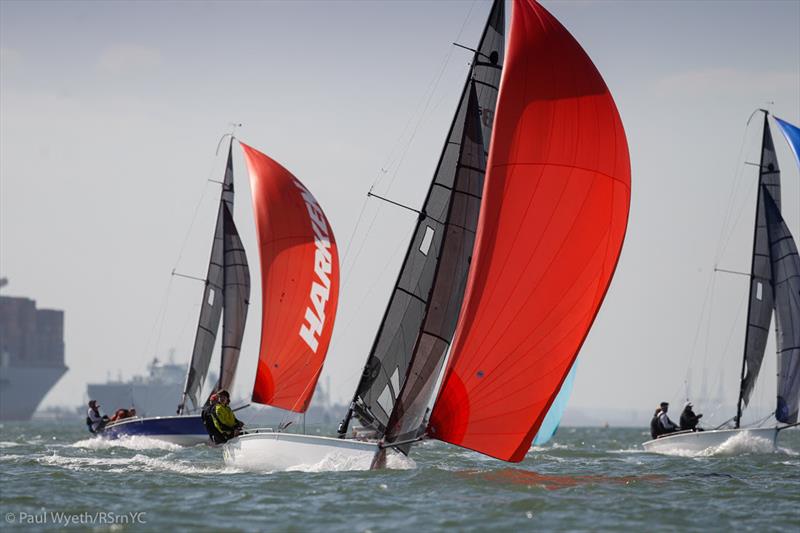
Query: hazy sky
pixel 111 112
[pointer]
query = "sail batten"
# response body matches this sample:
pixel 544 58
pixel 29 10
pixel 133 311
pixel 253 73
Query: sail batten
pixel 552 221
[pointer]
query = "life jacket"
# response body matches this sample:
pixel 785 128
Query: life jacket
pixel 207 416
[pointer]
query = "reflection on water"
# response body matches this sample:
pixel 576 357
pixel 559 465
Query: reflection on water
pixel 519 476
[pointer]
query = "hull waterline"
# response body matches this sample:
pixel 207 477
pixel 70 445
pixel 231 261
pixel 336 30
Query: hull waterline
pixel 182 430
pixel 700 441
pixel 282 451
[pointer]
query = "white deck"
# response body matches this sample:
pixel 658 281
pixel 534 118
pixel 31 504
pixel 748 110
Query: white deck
pixel 268 451
pixel 712 440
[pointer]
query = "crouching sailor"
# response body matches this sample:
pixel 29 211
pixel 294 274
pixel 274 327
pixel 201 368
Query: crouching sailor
pixel 219 420
pixel 689 419
pixel 94 421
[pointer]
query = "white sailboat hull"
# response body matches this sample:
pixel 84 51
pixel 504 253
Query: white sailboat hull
pixel 284 451
pixel 701 441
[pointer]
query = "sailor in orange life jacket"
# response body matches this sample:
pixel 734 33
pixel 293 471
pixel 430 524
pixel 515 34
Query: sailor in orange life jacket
pixel 224 420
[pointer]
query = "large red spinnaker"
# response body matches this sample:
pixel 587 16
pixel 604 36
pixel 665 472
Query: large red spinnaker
pixel 299 284
pixel 554 213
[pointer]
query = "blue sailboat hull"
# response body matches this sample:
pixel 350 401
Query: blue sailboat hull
pixel 185 430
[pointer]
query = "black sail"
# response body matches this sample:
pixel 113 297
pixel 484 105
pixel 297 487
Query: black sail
pixel 759 310
pixel 213 299
pixel 786 283
pixel 450 280
pixel 399 343
pixel 236 301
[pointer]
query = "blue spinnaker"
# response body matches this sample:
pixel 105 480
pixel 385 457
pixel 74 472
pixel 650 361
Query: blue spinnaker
pixel 553 417
pixel 792 134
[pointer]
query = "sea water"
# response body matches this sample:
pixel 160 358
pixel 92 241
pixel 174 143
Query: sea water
pixel 55 476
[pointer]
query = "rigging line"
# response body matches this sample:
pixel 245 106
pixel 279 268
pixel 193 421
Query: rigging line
pixel 713 286
pixel 355 228
pixel 390 160
pixel 158 324
pixel 738 178
pixel 431 92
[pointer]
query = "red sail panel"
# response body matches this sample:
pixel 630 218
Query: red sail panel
pixel 554 213
pixel 299 284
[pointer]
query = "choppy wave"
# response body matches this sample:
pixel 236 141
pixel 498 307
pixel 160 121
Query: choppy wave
pixel 739 444
pixel 133 442
pixel 8 444
pixel 137 463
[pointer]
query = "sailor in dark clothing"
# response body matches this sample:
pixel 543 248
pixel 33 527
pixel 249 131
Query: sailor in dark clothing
pixel 654 423
pixel 689 420
pixel 661 424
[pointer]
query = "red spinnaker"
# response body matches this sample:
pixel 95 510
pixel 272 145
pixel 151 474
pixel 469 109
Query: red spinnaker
pixel 554 213
pixel 299 284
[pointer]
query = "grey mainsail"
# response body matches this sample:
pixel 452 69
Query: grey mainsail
pixel 403 361
pixel 236 301
pixel 760 304
pixel 213 299
pixel 786 282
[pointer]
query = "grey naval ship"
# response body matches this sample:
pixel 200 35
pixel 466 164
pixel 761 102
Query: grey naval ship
pixel 31 355
pixel 155 394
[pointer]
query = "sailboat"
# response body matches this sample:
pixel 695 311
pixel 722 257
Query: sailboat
pixel 512 254
pixel 225 298
pixel 774 287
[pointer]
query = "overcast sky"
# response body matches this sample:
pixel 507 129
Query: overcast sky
pixel 111 112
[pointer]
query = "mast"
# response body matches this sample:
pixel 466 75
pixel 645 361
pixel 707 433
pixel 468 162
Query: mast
pixel 760 301
pixel 213 299
pixel 397 340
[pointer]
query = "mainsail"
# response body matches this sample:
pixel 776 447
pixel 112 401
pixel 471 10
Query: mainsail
pixel 213 300
pixel 236 299
pixel 786 280
pixel 299 284
pixel 409 349
pixel 760 304
pixel 553 217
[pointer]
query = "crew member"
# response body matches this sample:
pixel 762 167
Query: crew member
pixel 94 421
pixel 665 425
pixel 119 414
pixel 654 423
pixel 225 424
pixel 689 420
